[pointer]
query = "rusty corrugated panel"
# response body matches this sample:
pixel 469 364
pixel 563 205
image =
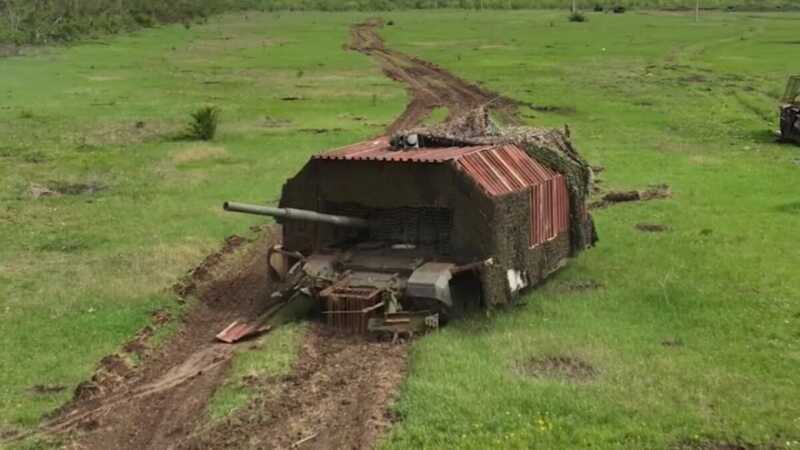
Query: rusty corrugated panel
pixel 239 330
pixel 549 210
pixel 561 208
pixel 503 169
pixel 380 150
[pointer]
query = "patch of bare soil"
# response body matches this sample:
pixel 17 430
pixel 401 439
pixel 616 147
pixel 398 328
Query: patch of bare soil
pixel 337 397
pixel 429 86
pixel 162 400
pixel 559 367
pixel 653 192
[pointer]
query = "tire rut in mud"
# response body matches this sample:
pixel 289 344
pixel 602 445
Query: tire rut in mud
pixel 161 401
pixel 429 86
pixel 336 398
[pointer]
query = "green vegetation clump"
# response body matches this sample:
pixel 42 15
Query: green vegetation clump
pixel 204 123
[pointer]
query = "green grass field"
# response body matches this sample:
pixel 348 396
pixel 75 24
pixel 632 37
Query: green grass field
pixel 653 97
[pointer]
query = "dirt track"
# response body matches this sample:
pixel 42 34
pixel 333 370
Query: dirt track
pixel 159 403
pixel 429 86
pixel 338 393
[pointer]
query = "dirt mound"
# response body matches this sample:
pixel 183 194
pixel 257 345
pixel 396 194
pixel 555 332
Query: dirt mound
pixel 429 86
pixel 336 397
pixel 560 367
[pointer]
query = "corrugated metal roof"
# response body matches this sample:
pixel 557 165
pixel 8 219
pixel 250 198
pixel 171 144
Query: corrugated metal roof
pixel 498 169
pixel 504 169
pixel 380 150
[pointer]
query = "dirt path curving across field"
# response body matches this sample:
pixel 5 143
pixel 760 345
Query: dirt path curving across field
pixel 429 86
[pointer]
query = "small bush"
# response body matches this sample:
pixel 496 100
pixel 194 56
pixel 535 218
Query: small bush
pixel 619 9
pixel 204 123
pixel 577 17
pixel 598 7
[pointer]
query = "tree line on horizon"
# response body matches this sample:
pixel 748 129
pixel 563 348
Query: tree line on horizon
pixel 37 22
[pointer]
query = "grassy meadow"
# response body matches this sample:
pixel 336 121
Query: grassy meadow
pixel 693 336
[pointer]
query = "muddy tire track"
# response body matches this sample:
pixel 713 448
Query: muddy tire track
pixel 335 398
pixel 161 401
pixel 429 86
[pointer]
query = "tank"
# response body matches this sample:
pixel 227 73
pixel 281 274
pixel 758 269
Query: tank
pixel 790 112
pixel 401 233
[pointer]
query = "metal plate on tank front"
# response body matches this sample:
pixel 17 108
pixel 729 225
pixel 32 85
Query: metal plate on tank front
pixel 431 280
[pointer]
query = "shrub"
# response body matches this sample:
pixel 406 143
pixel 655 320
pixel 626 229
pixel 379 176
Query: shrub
pixel 204 123
pixel 577 17
pixel 619 9
pixel 598 7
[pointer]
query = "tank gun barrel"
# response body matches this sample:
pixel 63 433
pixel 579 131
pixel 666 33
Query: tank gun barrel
pixel 296 214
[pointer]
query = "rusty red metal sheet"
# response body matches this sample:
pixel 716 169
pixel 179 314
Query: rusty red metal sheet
pixel 549 210
pixel 380 150
pixel 239 330
pixel 504 169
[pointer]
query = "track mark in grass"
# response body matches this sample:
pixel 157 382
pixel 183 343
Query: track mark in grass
pixel 714 445
pixel 556 109
pixel 651 227
pixel 579 285
pixel 672 342
pixel 46 389
pixel 558 367
pixel 320 130
pixel 59 188
pixel 70 188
